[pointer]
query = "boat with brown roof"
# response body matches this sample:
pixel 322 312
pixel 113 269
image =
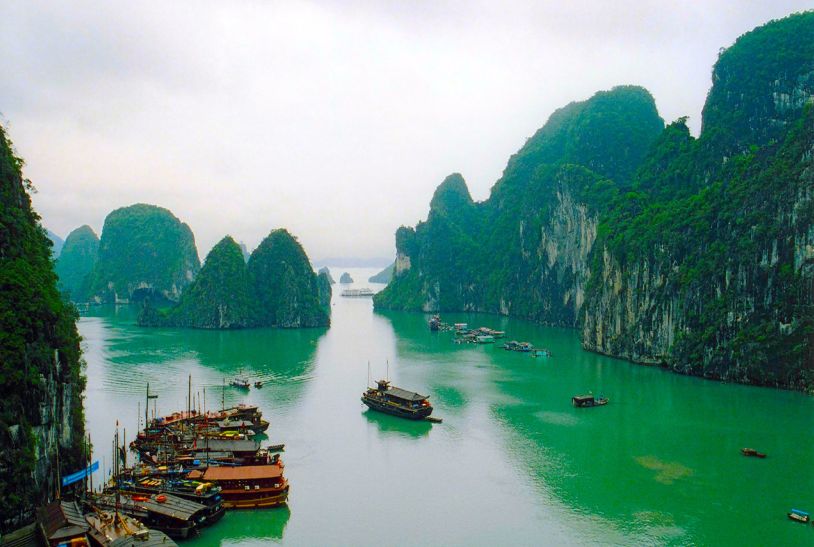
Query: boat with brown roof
pixel 248 486
pixel 396 401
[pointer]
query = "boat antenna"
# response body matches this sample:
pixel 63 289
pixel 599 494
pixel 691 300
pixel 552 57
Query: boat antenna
pixel 189 395
pixel 388 370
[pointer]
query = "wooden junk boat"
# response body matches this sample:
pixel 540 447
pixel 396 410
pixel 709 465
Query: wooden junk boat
pixel 204 493
pixel 752 452
pixel 581 401
pixel 177 517
pixel 248 486
pixel 397 401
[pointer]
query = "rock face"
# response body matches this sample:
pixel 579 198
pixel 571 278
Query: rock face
pixel 524 250
pixel 327 272
pixel 345 278
pixel 324 285
pixel 145 251
pixel 694 254
pixel 40 371
pixel 383 276
pixel 719 282
pixel 76 263
pixel 219 298
pixel 284 284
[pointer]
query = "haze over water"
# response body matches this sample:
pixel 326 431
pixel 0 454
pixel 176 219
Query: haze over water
pixel 513 462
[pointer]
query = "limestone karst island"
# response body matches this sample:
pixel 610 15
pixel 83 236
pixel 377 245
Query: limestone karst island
pixel 415 274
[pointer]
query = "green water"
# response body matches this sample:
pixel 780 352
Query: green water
pixel 512 464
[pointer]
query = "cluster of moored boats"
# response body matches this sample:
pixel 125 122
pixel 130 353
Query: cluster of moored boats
pixel 191 467
pixel 484 335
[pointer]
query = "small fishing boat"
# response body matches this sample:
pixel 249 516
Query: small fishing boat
pixel 240 382
pixel 485 339
pixel 752 452
pixel 435 323
pixel 258 384
pixel 799 516
pixel 396 401
pixel 582 401
pixel 541 353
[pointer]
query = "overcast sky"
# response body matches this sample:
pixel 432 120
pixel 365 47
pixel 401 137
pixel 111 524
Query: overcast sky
pixel 336 120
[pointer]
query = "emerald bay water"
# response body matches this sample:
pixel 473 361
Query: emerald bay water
pixel 513 462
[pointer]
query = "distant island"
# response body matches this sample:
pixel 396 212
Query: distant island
pixel 345 278
pixel 383 276
pixel 327 272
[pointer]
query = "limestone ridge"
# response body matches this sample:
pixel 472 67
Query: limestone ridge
pixel 220 297
pixel 277 288
pixel 144 251
pixel 694 254
pixel 285 286
pixel 40 359
pixel 327 272
pixel 76 263
pixel 501 255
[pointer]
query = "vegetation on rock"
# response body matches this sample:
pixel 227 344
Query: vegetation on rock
pixel 144 251
pixel 40 360
pixel 219 298
pixel 695 254
pixel 76 263
pixel 285 286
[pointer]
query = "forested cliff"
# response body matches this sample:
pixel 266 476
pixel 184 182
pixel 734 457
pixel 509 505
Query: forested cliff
pixel 695 254
pixel 40 370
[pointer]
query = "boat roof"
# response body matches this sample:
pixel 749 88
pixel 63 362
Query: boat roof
pixel 27 536
pixel 62 519
pixel 174 507
pixel 583 397
pixel 399 393
pixel 227 445
pixel 245 472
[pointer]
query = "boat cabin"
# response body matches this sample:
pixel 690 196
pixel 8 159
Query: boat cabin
pixel 588 400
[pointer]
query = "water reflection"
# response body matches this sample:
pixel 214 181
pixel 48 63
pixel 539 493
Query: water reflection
pixel 399 427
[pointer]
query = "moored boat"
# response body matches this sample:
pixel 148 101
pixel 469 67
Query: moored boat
pixel 396 401
pixel 248 486
pixel 799 516
pixel 589 400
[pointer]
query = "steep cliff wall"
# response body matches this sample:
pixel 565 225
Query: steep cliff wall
pixel 40 370
pixel 144 251
pixel 695 254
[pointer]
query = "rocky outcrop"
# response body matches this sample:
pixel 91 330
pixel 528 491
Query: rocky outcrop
pixel 324 282
pixel 145 251
pixel 345 278
pixel 284 284
pixel 221 297
pixel 327 272
pixel 693 254
pixel 41 420
pixel 76 263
